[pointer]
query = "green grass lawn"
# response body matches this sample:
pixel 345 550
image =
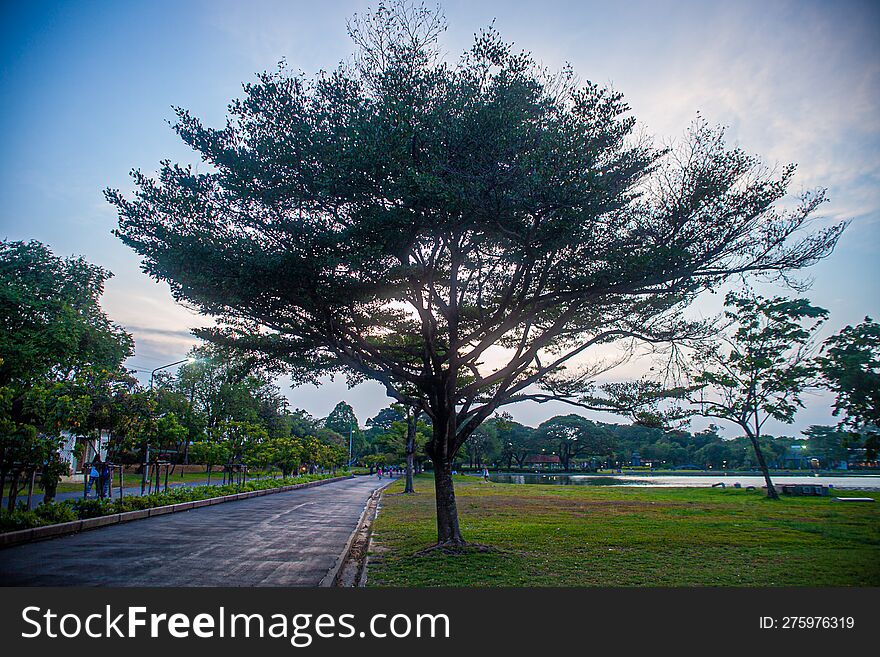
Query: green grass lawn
pixel 603 536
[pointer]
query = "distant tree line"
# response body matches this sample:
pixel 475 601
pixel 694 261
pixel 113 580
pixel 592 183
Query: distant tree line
pixel 582 444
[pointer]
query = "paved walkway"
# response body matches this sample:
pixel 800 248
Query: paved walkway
pixel 283 539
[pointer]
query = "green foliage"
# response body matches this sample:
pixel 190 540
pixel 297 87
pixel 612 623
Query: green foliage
pixel 60 356
pixel 43 514
pixel 398 217
pixel 516 441
pixel 573 437
pixel 829 444
pixel 93 508
pixel 222 385
pixel 760 370
pixel 283 452
pixel 851 365
pixel 52 324
pixel 391 444
pixel 342 419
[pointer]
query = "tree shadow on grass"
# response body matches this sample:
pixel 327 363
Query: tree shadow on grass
pixel 459 549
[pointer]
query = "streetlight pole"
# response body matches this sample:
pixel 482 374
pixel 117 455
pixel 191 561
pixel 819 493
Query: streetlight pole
pixel 350 432
pixel 177 362
pixel 147 452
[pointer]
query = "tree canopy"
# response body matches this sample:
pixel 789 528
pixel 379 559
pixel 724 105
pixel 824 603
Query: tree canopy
pixel 851 364
pixel 51 322
pixel 573 437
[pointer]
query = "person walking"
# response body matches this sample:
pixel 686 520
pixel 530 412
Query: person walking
pixel 105 479
pixel 93 477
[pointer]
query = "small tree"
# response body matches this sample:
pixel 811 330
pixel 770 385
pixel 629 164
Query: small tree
pixel 828 443
pixel 481 444
pixel 284 452
pixel 759 371
pixel 517 440
pixel 211 453
pixel 241 440
pixel 344 422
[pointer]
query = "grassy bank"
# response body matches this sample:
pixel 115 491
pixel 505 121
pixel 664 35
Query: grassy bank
pixel 592 536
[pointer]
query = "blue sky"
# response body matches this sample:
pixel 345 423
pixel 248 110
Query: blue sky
pixel 87 90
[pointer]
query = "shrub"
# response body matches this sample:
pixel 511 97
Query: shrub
pixel 85 509
pixel 52 512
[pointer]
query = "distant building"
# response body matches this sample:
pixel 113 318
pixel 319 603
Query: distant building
pixel 548 461
pixel 89 447
pixel 796 458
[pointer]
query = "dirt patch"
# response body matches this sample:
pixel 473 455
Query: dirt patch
pixel 354 569
pixel 465 548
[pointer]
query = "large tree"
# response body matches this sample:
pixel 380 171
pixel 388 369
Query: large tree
pixel 850 364
pixel 402 218
pixel 574 436
pixel 58 354
pixel 51 321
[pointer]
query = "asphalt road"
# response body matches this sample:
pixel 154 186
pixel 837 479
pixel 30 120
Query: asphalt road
pixel 283 539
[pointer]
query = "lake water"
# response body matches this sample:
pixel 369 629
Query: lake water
pixel 843 482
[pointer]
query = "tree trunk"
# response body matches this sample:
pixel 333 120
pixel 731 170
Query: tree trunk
pixel 13 491
pixel 49 490
pixel 30 490
pixel 410 450
pixel 409 473
pixel 145 467
pixel 771 491
pixel 448 532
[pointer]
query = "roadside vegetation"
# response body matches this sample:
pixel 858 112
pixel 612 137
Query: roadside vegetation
pixel 81 509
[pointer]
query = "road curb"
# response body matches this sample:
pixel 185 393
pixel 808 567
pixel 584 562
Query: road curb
pixel 57 530
pixel 330 578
